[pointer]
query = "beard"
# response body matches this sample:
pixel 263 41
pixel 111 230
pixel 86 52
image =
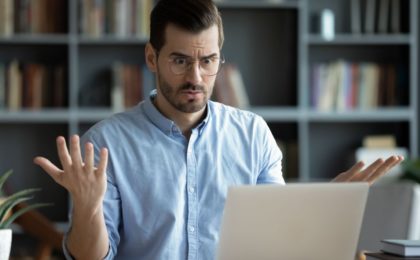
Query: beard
pixel 190 105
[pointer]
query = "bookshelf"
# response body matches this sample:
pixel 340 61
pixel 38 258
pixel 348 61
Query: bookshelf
pixel 334 134
pixel 278 46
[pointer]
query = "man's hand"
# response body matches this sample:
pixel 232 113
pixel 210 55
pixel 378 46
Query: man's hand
pixel 371 173
pixel 88 237
pixel 85 182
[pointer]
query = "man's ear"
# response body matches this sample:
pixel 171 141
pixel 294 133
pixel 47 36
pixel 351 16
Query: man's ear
pixel 151 57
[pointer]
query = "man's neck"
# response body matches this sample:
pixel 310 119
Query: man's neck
pixel 185 121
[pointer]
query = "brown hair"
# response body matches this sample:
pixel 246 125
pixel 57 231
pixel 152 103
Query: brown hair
pixel 191 15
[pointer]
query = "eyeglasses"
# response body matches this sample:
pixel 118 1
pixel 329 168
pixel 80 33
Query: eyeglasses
pixel 208 66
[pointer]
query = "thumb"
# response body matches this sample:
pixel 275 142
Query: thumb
pixel 49 168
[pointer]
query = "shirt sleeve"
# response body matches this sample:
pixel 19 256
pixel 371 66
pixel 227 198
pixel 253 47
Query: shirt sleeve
pixel 112 214
pixel 271 156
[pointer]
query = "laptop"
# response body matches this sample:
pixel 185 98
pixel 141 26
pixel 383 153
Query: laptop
pixel 303 221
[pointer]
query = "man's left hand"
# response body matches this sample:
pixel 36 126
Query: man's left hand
pixel 370 173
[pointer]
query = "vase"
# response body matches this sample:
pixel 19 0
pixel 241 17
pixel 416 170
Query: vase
pixel 5 243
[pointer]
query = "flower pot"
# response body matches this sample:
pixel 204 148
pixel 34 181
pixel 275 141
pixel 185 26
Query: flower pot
pixel 5 243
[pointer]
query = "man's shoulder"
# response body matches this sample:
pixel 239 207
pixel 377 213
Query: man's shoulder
pixel 121 120
pixel 227 118
pixel 220 109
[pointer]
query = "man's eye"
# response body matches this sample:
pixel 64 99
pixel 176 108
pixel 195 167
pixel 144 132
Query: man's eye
pixel 180 61
pixel 208 61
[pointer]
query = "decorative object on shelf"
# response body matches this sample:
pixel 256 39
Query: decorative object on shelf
pixel 7 216
pixel 327 24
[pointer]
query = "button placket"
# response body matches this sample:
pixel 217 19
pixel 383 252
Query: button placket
pixel 192 198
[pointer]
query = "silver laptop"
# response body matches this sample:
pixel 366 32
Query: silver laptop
pixel 311 221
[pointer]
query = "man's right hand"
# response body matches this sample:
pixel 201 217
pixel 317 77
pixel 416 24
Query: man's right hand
pixel 88 237
pixel 85 182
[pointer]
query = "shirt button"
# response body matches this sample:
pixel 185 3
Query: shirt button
pixel 192 229
pixel 191 190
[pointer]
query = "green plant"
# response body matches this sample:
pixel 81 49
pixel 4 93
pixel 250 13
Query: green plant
pixel 9 202
pixel 411 170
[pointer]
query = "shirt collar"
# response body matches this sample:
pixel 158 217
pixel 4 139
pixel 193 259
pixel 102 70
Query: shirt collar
pixel 163 123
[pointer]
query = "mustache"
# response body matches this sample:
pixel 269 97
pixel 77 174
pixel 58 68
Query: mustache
pixel 189 86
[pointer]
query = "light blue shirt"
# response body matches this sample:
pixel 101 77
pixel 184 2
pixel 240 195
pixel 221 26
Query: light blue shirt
pixel 165 194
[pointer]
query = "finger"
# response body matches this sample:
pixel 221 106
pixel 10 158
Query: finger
pixel 103 161
pixel 63 153
pixel 356 168
pixel 75 153
pixel 49 168
pixel 400 158
pixel 384 168
pixel 349 174
pixel 364 175
pixel 89 157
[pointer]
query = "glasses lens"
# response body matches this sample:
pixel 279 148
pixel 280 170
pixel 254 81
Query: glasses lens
pixel 208 66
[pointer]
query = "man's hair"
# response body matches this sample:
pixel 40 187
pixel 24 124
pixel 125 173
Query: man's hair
pixel 191 15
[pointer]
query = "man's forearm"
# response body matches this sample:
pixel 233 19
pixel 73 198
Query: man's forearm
pixel 88 237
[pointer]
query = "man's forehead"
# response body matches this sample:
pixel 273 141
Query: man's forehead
pixel 181 39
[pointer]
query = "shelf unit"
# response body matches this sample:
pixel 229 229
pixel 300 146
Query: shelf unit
pixel 277 48
pixel 331 137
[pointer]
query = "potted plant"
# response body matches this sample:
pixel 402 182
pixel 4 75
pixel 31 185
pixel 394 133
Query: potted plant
pixel 7 216
pixel 411 170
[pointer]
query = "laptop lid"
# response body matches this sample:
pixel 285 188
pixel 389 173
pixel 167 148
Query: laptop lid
pixel 296 221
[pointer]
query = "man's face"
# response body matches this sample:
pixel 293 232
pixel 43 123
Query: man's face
pixel 187 92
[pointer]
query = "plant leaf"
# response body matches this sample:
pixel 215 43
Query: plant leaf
pixel 18 213
pixel 9 206
pixel 9 201
pixel 3 179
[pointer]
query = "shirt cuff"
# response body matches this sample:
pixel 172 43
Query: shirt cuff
pixel 68 256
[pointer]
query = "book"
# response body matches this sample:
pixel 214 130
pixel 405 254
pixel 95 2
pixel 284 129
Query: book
pixel 6 17
pixel 370 16
pixel 385 256
pixel 328 94
pixel 356 17
pixel 2 86
pixel 395 16
pixel 127 86
pixel 384 14
pixel 402 247
pixel 14 86
pixel 229 87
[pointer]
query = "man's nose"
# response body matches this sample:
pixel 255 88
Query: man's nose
pixel 193 74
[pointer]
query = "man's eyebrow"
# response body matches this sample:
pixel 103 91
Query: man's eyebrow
pixel 179 54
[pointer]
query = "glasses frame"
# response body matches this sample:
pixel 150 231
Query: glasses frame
pixel 222 61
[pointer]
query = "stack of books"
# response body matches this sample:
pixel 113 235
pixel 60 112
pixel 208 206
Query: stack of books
pixel 394 249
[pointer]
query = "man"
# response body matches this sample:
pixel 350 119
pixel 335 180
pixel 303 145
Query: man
pixel 173 156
